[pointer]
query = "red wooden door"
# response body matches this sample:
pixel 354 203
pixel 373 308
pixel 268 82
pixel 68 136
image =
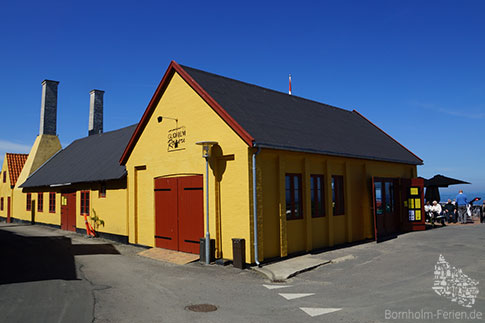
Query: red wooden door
pixel 190 213
pixel 8 209
pixel 179 213
pixel 68 211
pixel 166 232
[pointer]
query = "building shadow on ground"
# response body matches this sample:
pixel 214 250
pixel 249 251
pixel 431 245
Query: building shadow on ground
pixel 93 249
pixel 27 259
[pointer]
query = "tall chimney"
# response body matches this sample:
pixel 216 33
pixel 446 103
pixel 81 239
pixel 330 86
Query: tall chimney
pixel 96 112
pixel 48 109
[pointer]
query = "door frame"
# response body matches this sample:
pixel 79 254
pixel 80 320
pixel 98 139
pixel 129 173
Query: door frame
pixel 396 214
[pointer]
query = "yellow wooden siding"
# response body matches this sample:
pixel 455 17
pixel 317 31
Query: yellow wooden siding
pixel 313 233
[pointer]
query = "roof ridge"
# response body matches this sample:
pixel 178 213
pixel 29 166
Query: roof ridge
pixel 267 89
pixel 104 133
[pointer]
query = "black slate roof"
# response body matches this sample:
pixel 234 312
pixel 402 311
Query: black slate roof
pixel 281 121
pixel 91 159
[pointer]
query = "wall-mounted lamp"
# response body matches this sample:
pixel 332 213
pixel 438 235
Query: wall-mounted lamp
pixel 206 147
pixel 160 119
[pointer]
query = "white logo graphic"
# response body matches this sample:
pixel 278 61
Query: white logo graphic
pixel 453 284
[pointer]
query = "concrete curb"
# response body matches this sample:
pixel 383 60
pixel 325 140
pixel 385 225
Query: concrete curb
pixel 283 270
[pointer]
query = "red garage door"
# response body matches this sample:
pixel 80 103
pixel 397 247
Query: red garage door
pixel 179 213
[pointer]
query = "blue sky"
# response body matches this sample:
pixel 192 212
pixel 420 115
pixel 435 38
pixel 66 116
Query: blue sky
pixel 415 68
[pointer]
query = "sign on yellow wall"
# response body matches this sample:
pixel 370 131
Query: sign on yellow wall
pixel 176 138
pixel 417 215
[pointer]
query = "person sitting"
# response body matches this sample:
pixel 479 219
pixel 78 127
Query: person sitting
pixel 436 211
pixel 427 212
pixel 450 212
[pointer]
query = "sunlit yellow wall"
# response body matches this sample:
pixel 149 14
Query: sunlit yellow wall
pixel 43 216
pixel 150 159
pixel 112 209
pixel 44 147
pixel 5 190
pixel 281 237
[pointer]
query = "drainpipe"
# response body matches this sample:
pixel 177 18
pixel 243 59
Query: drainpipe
pixel 255 209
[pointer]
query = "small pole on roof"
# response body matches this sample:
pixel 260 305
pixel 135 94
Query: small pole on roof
pixel 289 89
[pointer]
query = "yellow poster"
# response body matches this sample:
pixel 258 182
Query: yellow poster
pixel 417 214
pixel 414 191
pixel 411 203
pixel 417 203
pixel 64 200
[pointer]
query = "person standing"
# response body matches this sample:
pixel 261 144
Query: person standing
pixel 482 213
pixel 450 212
pixel 461 202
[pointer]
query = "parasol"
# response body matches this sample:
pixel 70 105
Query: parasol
pixel 432 186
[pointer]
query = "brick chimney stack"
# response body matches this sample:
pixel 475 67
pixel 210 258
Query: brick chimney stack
pixel 95 112
pixel 48 110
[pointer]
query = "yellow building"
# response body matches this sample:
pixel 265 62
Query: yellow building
pixel 12 166
pixel 84 181
pixel 87 178
pixel 32 206
pixel 287 174
pixel 38 207
pixel 63 187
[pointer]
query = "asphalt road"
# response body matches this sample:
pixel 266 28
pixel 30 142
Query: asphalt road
pixel 49 275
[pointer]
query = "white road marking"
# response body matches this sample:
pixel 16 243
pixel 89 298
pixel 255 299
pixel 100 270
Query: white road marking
pixel 276 286
pixel 315 311
pixel 290 296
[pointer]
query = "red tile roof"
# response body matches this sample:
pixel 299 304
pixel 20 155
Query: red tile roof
pixel 15 163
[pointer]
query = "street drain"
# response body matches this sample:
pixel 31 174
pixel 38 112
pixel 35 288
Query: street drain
pixel 201 308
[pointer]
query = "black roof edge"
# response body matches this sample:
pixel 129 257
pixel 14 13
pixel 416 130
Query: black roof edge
pixel 315 151
pixel 55 185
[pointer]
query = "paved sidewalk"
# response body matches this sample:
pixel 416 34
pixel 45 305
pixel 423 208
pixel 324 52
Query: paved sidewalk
pixel 284 269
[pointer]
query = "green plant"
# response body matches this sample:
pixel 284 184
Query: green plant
pixel 96 220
